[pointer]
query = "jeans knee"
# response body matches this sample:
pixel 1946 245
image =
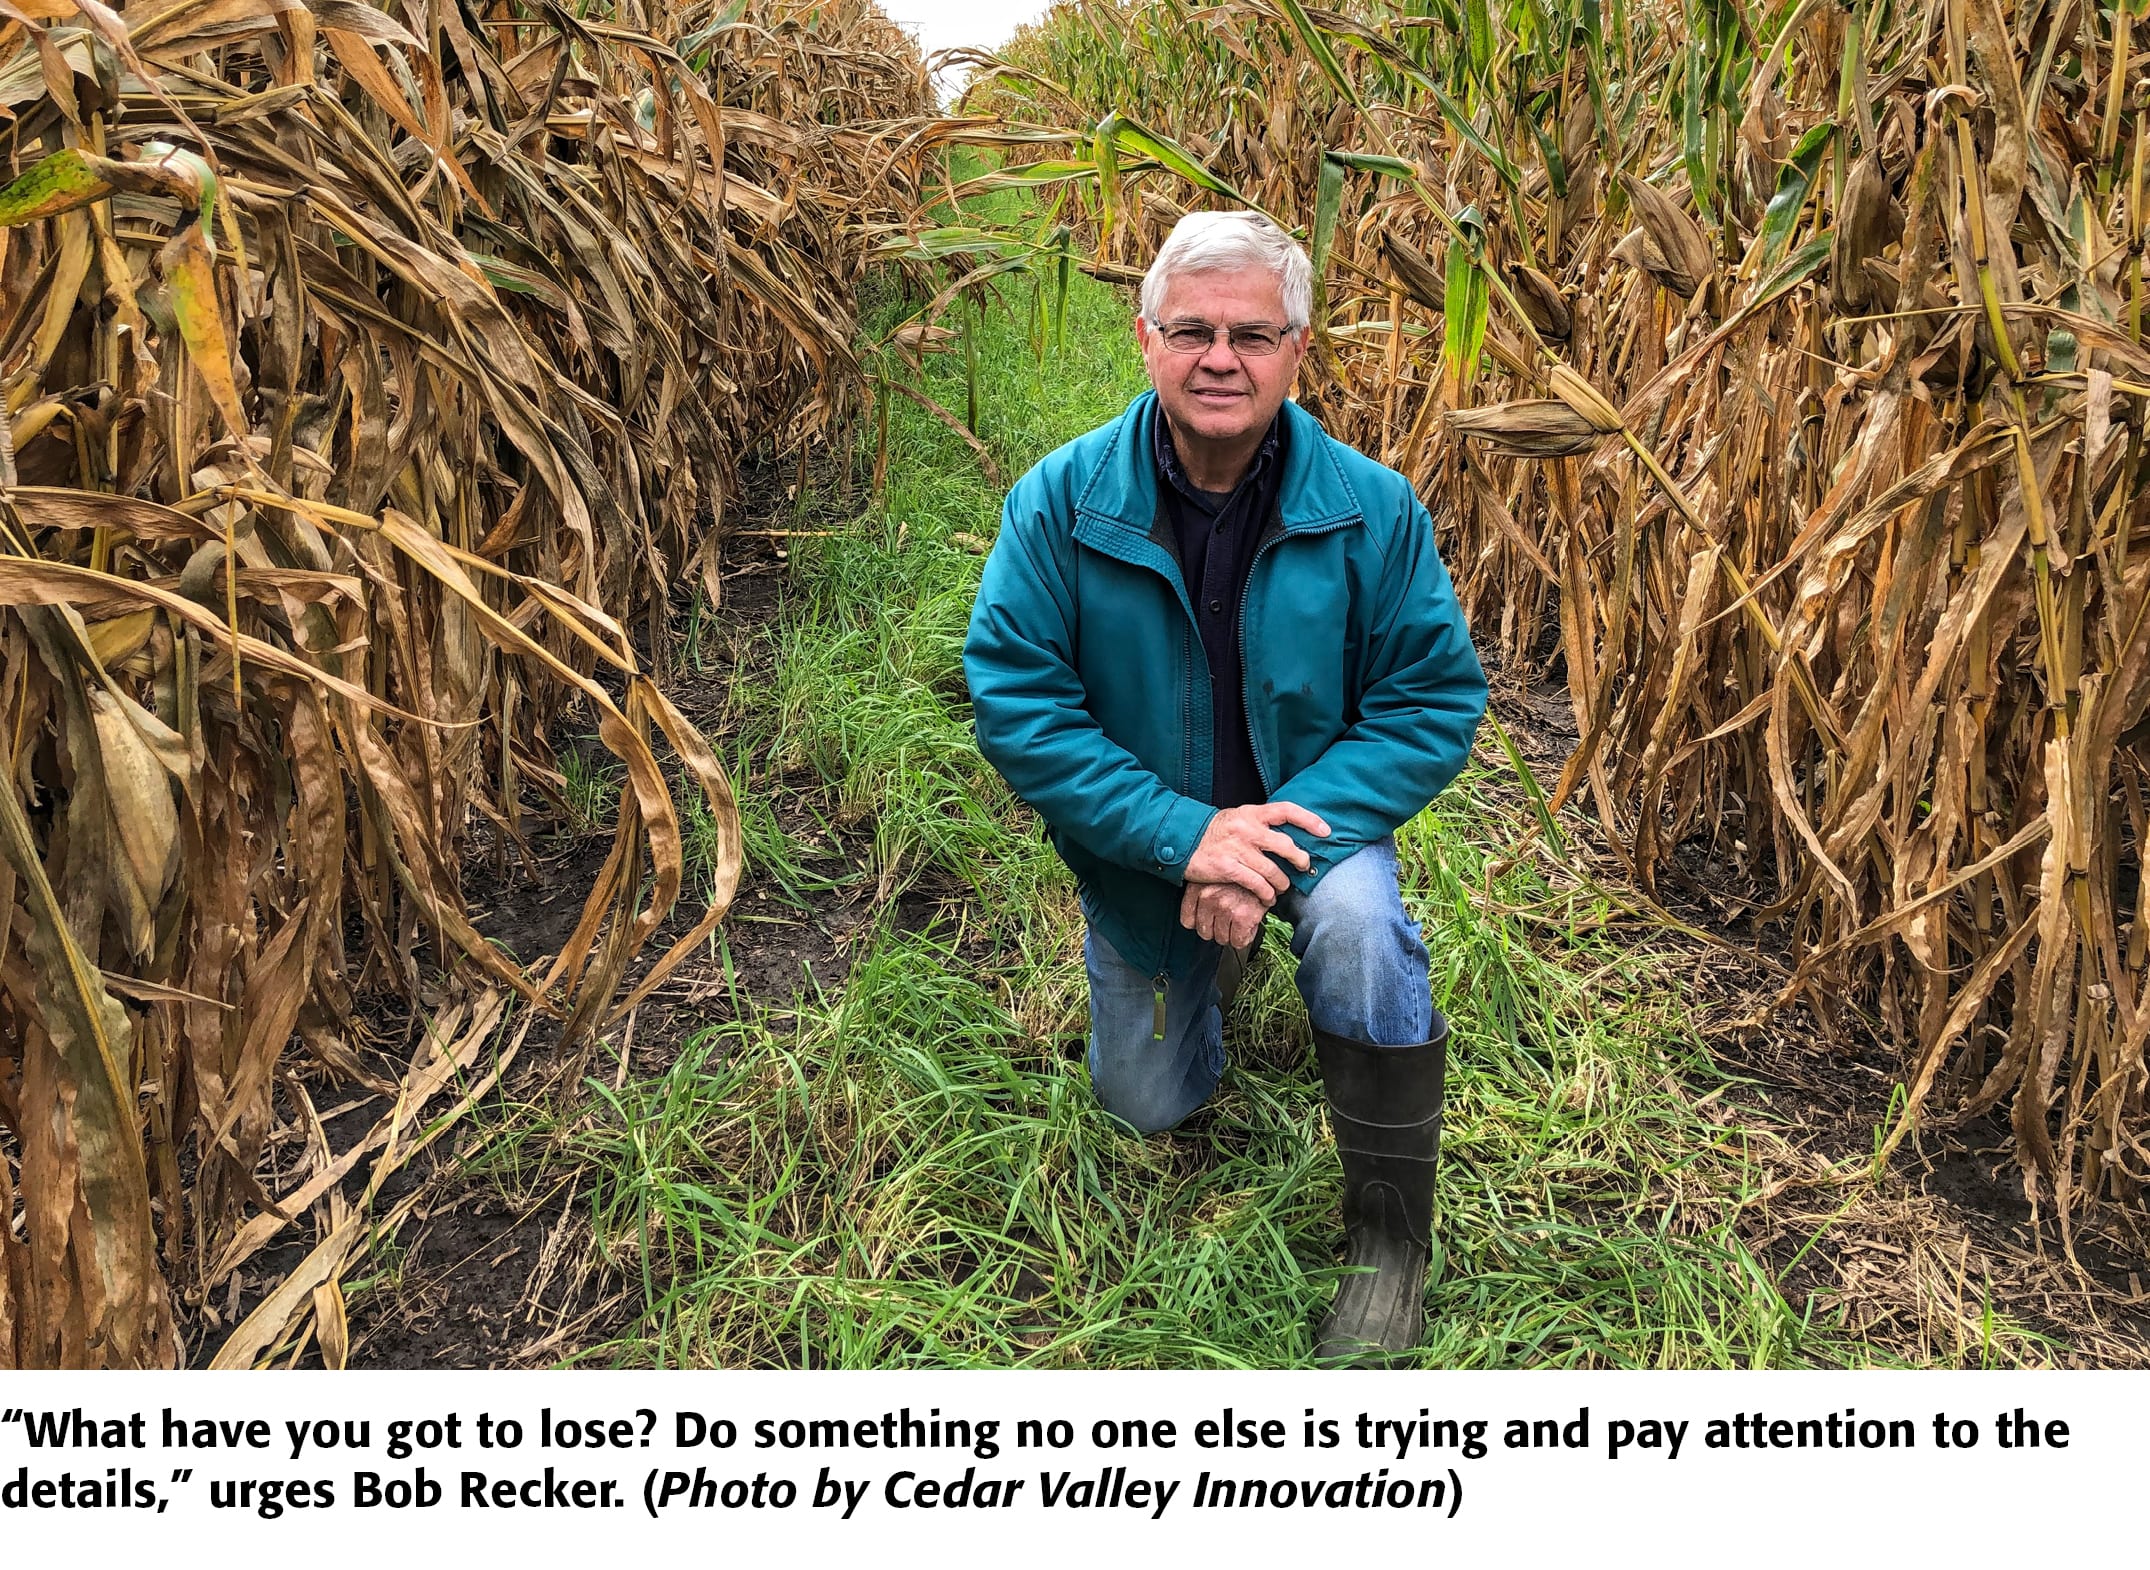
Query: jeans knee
pixel 1362 964
pixel 1152 1059
pixel 1355 920
pixel 1149 1092
pixel 1144 1113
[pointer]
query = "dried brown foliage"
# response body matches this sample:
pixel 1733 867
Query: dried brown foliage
pixel 368 371
pixel 1777 372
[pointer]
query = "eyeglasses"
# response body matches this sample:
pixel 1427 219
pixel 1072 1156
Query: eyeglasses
pixel 1195 337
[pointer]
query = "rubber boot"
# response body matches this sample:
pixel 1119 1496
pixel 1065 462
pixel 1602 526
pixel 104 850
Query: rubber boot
pixel 1385 1108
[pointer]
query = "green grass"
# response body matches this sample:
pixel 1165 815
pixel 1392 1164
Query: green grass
pixel 590 780
pixel 911 1170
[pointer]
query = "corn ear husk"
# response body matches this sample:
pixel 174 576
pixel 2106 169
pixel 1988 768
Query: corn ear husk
pixel 1528 427
pixel 1415 271
pixel 1674 250
pixel 1868 224
pixel 1541 300
pixel 141 796
pixel 1571 389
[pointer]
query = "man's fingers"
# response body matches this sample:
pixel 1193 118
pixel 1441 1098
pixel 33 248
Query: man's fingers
pixel 1256 881
pixel 1291 812
pixel 1286 848
pixel 1260 878
pixel 1218 903
pixel 1226 914
pixel 1238 918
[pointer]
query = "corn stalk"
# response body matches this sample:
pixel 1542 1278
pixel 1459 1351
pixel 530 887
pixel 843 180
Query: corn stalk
pixel 1803 443
pixel 369 374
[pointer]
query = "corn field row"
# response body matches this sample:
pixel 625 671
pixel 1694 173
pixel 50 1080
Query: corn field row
pixel 370 374
pixel 1775 373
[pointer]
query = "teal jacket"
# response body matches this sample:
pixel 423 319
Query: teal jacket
pixel 1091 692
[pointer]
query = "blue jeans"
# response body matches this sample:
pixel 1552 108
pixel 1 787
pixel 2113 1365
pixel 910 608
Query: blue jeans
pixel 1362 972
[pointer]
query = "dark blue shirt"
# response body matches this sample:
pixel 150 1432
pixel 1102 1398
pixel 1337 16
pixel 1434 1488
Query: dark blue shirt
pixel 1216 533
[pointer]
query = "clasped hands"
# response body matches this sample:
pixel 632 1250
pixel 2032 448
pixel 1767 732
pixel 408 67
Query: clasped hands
pixel 1233 877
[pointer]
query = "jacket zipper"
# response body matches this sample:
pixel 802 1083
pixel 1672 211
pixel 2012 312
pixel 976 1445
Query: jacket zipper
pixel 1187 715
pixel 1157 1018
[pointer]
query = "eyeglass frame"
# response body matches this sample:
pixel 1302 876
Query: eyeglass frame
pixel 1163 330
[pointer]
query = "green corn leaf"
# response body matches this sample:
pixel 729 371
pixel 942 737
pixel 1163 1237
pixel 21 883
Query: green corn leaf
pixel 1030 177
pixel 1374 163
pixel 2081 234
pixel 163 155
pixel 519 280
pixel 1556 167
pixel 1104 149
pixel 1478 37
pixel 2060 351
pixel 1464 299
pixel 1318 47
pixel 1134 136
pixel 1452 111
pixel 1328 201
pixel 1461 121
pixel 970 316
pixel 1700 176
pixel 1781 218
pixel 933 245
pixel 190 279
pixel 1801 265
pixel 1063 277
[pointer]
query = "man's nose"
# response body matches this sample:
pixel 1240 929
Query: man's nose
pixel 1218 359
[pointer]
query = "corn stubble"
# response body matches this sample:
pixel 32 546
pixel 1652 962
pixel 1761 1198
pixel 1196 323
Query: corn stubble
pixel 366 372
pixel 1781 368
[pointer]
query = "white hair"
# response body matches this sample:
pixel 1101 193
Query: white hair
pixel 1226 243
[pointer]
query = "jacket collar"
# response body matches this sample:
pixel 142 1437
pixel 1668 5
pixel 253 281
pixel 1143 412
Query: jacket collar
pixel 1122 488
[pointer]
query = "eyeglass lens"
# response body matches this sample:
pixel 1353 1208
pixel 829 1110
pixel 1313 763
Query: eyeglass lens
pixel 1245 338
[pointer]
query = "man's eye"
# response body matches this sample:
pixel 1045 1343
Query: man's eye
pixel 1259 339
pixel 1189 337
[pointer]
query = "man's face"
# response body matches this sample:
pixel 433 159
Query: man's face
pixel 1219 395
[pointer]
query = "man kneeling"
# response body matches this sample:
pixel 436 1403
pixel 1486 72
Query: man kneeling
pixel 1215 649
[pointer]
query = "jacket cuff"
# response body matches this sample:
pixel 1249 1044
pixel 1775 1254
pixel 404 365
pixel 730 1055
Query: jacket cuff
pixel 1322 854
pixel 1180 831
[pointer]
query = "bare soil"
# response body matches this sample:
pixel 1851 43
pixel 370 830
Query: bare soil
pixel 1917 1250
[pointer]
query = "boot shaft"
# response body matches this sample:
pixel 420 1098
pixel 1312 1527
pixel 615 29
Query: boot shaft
pixel 1385 1110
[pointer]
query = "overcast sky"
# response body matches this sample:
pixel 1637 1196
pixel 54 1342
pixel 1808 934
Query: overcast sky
pixel 955 24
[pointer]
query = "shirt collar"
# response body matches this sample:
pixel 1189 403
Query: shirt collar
pixel 1168 458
